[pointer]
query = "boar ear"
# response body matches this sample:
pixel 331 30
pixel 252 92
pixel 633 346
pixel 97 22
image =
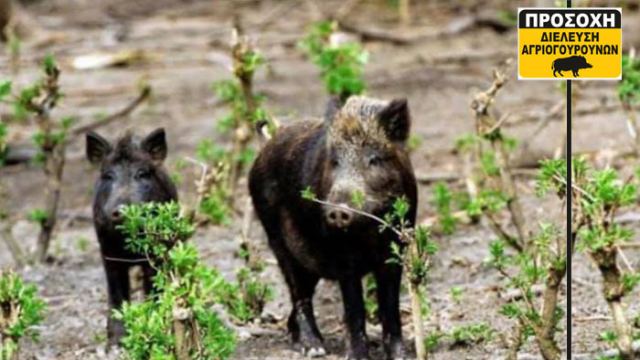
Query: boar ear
pixel 97 147
pixel 333 106
pixel 395 120
pixel 156 144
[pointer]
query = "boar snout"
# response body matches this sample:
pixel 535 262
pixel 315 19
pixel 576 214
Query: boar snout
pixel 339 217
pixel 117 214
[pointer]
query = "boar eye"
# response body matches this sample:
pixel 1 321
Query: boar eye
pixel 143 174
pixel 108 176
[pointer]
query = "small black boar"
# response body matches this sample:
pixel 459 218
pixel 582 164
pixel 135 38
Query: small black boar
pixel 571 63
pixel 130 172
pixel 358 148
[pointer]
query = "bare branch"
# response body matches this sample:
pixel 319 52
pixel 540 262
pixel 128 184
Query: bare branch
pixel 145 92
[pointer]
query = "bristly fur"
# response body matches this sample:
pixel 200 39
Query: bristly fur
pixel 363 107
pixel 121 183
pixel 128 148
pixel 356 122
pixel 359 148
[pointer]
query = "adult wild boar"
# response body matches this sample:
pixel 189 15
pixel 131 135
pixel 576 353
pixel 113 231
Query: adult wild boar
pixel 359 148
pixel 571 63
pixel 131 172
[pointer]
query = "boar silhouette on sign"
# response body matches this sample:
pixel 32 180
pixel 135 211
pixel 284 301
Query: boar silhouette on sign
pixel 571 63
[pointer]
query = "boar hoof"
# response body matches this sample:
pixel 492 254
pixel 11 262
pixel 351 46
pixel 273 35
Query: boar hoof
pixel 354 357
pixel 358 356
pixel 311 347
pixel 115 332
pixel 316 352
pixel 397 352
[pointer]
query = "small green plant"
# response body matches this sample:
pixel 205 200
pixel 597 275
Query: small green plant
pixel 178 322
pixel 358 199
pixel 414 142
pixel 13 46
pixel 605 357
pixel 37 101
pixel 456 294
pixel 432 340
pixel 216 207
pixel 542 261
pixel 216 190
pixel 5 90
pixel 214 195
pixel 471 334
pixel 177 170
pixel 254 290
pixel 255 293
pixel 523 257
pixel 442 198
pixel 599 196
pixel 22 310
pixel 508 17
pixel 99 338
pixel 370 300
pixel 3 142
pixel 82 243
pixel 417 263
pixel 464 335
pixel 609 336
pixel 246 110
pixel 629 87
pixel 629 94
pixel 341 65
pixel 208 152
pixel 217 187
pixel 38 216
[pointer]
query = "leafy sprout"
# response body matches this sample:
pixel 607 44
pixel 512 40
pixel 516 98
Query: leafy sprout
pixel 341 65
pixel 456 293
pixel 4 131
pixel 22 310
pixel 154 228
pixel 443 202
pixel 184 285
pixel 5 89
pixel 358 199
pixel 552 175
pixel 38 216
pixel 471 334
pixel 308 194
pixel 609 336
pixel 629 86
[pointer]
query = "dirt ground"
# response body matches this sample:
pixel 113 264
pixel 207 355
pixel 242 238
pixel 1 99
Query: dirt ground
pixel 184 43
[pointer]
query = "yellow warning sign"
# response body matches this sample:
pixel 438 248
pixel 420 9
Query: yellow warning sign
pixel 578 43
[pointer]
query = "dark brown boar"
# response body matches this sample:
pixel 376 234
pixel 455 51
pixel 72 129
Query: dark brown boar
pixel 131 172
pixel 359 148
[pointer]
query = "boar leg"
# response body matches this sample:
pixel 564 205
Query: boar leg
pixel 388 278
pixel 302 323
pixel 301 283
pixel 118 288
pixel 354 315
